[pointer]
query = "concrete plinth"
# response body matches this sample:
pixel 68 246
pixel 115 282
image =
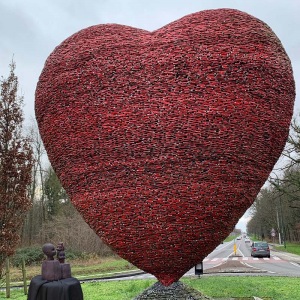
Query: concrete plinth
pixel 176 291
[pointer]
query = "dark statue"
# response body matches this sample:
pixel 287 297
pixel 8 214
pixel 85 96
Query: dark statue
pixel 49 251
pixel 55 269
pixel 60 249
pixel 55 282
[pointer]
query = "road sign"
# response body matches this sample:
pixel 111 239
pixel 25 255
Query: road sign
pixel 273 232
pixel 199 268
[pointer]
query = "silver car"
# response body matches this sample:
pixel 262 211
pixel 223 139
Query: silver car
pixel 260 249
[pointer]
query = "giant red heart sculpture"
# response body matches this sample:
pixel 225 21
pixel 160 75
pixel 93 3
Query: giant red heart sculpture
pixel 163 139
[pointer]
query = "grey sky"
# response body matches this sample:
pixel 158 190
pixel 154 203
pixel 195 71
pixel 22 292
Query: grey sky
pixel 31 29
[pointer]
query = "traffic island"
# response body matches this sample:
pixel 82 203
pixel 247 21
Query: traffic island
pixel 233 266
pixel 175 291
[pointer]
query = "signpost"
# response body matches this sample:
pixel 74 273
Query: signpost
pixel 273 234
pixel 199 269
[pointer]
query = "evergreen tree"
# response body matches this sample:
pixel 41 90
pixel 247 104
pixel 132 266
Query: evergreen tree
pixel 56 195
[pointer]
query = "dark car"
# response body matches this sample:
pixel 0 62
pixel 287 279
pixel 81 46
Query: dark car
pixel 260 249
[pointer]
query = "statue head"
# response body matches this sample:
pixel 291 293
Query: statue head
pixel 61 256
pixel 60 246
pixel 49 251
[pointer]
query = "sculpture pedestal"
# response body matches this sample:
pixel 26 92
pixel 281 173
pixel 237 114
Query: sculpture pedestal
pixel 176 290
pixel 40 289
pixel 65 271
pixel 51 270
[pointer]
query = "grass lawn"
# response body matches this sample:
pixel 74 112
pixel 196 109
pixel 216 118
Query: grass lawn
pixel 276 288
pixel 230 238
pixel 97 267
pixel 80 268
pixel 290 247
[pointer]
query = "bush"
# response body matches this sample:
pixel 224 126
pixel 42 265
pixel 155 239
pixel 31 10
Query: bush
pixel 35 256
pixel 73 254
pixel 31 255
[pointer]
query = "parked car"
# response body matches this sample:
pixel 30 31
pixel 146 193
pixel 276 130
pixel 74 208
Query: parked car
pixel 260 249
pixel 247 240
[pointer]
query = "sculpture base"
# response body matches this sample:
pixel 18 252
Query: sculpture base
pixel 51 270
pixel 176 290
pixel 65 271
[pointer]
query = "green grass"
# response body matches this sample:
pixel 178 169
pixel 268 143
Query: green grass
pixel 230 238
pixel 107 266
pixel 80 268
pixel 290 248
pixel 115 290
pixel 215 286
pixel 276 288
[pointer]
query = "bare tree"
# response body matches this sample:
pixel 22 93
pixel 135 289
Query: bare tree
pixel 68 226
pixel 286 179
pixel 37 214
pixel 272 209
pixel 15 166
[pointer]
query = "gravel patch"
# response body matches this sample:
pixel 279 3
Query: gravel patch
pixel 176 291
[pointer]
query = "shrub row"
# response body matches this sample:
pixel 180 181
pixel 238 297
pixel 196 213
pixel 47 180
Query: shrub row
pixel 34 256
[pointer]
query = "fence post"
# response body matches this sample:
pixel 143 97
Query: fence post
pixel 24 276
pixel 7 277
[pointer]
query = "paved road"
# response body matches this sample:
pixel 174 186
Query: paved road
pixel 224 261
pixel 279 263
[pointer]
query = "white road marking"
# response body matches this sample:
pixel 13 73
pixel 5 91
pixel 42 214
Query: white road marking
pixel 224 245
pixel 249 259
pixel 295 264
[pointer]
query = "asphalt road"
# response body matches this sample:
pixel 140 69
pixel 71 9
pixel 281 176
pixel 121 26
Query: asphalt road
pixel 223 257
pixel 223 260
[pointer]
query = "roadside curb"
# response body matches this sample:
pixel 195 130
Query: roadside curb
pixel 112 277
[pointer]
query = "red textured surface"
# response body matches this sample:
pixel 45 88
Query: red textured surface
pixel 163 139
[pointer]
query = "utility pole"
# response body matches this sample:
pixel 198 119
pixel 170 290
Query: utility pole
pixel 279 227
pixel 282 222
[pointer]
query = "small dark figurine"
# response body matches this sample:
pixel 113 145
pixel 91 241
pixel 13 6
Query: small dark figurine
pixel 61 256
pixel 49 251
pixel 61 252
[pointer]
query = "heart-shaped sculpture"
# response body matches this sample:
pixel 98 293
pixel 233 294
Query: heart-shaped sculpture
pixel 163 139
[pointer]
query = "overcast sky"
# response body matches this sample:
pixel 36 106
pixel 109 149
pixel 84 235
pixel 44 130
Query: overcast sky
pixel 31 29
